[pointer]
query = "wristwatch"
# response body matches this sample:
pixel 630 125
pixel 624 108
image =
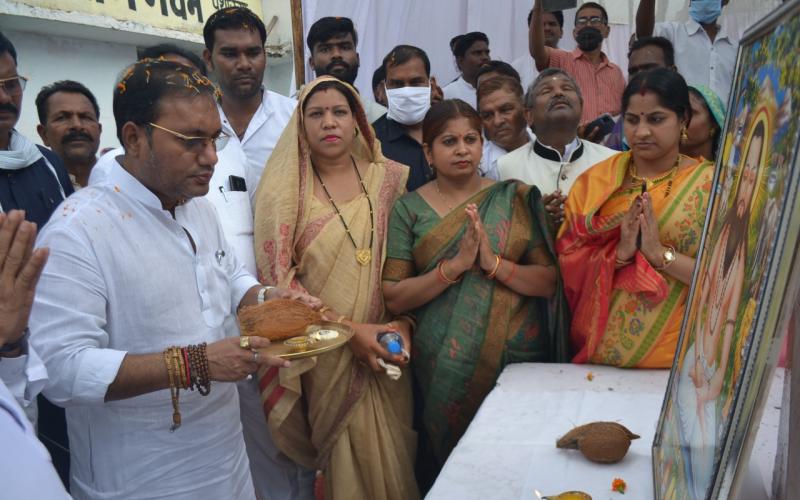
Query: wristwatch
pixel 668 257
pixel 20 343
pixel 262 294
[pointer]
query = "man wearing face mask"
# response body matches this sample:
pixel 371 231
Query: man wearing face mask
pixel 600 80
pixel 705 51
pixel 409 93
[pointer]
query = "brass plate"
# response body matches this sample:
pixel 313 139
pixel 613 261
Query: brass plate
pixel 280 349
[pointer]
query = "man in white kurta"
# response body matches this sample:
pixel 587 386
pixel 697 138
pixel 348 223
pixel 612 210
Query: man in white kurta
pixel 139 263
pixel 557 157
pixel 122 278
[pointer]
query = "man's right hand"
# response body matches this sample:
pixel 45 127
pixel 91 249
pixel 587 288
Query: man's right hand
pixel 228 361
pixel 20 268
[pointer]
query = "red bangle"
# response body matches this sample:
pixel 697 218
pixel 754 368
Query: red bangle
pixel 188 370
pixel 510 274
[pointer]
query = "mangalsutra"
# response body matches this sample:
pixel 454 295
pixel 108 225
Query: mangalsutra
pixel 363 255
pixel 638 181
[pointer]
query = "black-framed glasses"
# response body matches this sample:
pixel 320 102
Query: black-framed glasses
pixel 13 85
pixel 197 144
pixel 591 21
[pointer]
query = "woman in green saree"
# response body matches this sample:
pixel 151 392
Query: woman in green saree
pixel 473 261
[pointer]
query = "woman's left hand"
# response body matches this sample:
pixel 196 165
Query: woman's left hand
pixel 651 247
pixel 486 257
pixel 366 348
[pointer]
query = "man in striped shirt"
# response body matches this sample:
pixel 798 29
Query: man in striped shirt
pixel 600 80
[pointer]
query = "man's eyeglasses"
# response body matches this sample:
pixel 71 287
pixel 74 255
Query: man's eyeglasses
pixel 197 144
pixel 591 21
pixel 14 85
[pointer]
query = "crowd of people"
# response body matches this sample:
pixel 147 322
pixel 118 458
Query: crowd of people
pixel 547 210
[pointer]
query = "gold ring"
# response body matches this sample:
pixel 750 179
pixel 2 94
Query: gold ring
pixel 244 342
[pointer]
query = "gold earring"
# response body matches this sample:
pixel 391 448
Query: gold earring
pixel 684 136
pixel 711 133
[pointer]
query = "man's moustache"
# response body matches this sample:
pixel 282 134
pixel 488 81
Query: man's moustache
pixel 334 64
pixel 10 108
pixel 559 100
pixel 76 136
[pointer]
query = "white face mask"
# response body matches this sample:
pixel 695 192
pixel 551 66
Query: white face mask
pixel 408 105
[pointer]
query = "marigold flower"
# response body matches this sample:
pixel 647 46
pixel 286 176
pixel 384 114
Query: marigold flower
pixel 619 485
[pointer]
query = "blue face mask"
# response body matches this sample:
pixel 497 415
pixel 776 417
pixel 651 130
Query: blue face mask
pixel 705 11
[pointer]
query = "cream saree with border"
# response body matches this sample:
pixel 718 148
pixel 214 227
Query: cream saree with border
pixel 332 413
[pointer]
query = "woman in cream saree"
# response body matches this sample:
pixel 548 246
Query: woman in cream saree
pixel 333 413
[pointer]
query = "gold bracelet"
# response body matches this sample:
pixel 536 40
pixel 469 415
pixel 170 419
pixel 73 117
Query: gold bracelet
pixel 492 274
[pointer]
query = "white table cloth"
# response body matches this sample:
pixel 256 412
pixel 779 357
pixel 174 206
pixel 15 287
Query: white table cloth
pixel 509 449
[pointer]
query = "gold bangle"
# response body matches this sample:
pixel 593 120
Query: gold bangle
pixel 341 318
pixel 443 276
pixel 324 309
pixel 492 274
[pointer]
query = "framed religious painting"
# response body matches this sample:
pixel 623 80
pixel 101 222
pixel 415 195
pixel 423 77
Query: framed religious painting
pixel 746 275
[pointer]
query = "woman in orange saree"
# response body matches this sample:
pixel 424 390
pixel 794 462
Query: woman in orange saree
pixel 321 218
pixel 631 232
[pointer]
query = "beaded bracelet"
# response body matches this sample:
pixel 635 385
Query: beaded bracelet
pixel 173 388
pixel 199 362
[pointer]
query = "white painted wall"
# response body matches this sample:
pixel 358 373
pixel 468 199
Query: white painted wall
pixel 45 59
pixel 71 46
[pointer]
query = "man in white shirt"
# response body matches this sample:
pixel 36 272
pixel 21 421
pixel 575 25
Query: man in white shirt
pixel 557 157
pixel 332 42
pixel 138 264
pixel 471 52
pixel 25 465
pixel 251 114
pixel 255 118
pixel 553 24
pixel 502 113
pixel 705 52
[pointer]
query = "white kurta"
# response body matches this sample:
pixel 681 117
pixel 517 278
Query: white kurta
pixel 543 167
pixel 27 471
pixel 460 89
pixel 122 277
pixel 263 132
pixel 491 153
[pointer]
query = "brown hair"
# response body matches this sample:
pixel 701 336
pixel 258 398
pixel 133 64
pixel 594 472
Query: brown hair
pixel 496 83
pixel 442 112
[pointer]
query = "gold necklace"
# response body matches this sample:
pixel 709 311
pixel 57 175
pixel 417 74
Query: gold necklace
pixel 448 205
pixel 648 183
pixel 363 255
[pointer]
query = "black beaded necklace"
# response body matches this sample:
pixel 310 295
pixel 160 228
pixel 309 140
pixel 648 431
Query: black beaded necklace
pixel 363 255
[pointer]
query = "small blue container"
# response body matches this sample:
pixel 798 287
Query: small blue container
pixel 391 341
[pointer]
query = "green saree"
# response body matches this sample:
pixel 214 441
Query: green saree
pixel 468 334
